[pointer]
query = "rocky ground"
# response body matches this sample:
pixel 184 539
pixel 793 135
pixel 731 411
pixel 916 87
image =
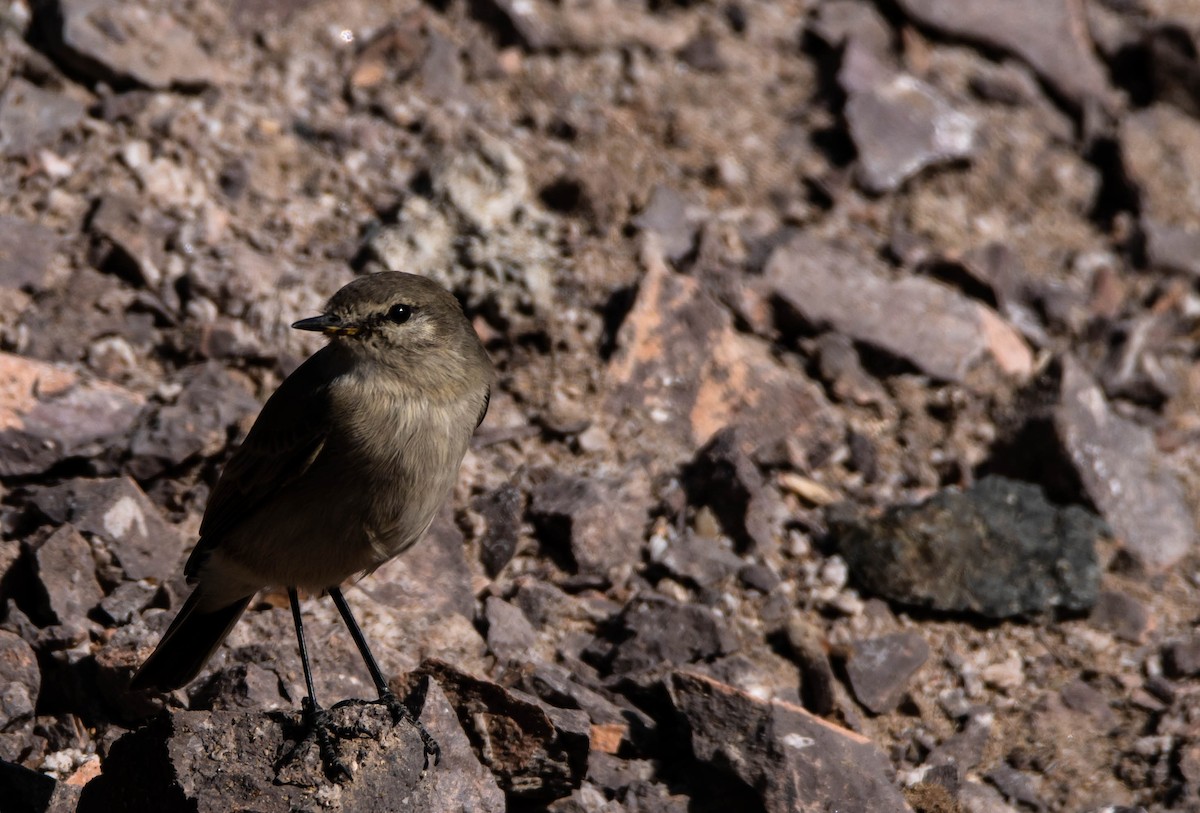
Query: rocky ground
pixel 843 453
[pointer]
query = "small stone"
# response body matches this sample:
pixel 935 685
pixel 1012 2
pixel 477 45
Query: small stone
pixel 26 250
pixel 67 571
pixel 1123 616
pixel 1181 659
pixel 666 215
pixel 501 510
pixel 137 234
pixel 127 601
pixel 1124 473
pixel 881 668
pixel 725 479
pixel 510 636
pixel 660 633
pixel 902 126
pixel 20 680
pixel 946 334
pixel 999 549
pixel 32 118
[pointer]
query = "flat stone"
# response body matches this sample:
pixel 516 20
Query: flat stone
pixel 47 414
pixel 190 752
pixel 944 333
pixel 998 549
pixel 120 514
pixel 1124 616
pixel 682 372
pixel 1124 473
pixel 26 249
pixel 1051 36
pixel 900 127
pixel 881 668
pixel 510 636
pixel 32 118
pixel 128 43
pixel 67 572
pixel 781 751
pixel 658 633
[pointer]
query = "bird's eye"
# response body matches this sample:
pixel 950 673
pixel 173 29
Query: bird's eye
pixel 399 314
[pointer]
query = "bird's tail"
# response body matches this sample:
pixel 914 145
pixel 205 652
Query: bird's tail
pixel 187 644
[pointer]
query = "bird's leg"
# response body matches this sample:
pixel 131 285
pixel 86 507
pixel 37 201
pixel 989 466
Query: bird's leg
pixel 317 723
pixel 387 697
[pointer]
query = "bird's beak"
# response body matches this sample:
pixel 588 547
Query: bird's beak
pixel 327 324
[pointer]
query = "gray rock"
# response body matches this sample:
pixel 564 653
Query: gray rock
pixel 26 250
pixel 659 633
pixel 1122 615
pixel 32 118
pixel 510 636
pixel 999 549
pixel 1051 36
pixel 781 751
pixel 127 43
pixel 432 576
pixel 724 478
pixel 181 761
pixel 66 571
pixel 932 326
pixel 501 510
pixel 900 127
pixel 20 680
pixel 575 520
pixel 137 236
pixel 666 215
pixel 126 601
pixel 1174 248
pixel 120 514
pixel 881 668
pixel 1124 473
pixel 1182 658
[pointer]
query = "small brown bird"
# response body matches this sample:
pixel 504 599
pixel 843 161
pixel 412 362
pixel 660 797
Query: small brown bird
pixel 344 469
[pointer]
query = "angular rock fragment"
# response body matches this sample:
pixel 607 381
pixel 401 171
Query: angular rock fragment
pixel 181 761
pixel 1124 473
pixel 682 373
pixel 137 235
pixel 23 789
pixel 536 753
pixel 999 549
pixel 1182 658
pixel 1123 616
pixel 667 216
pixel 26 249
pixel 658 633
pixel 120 514
pixel 924 322
pixel 67 575
pixel 785 754
pixel 880 668
pixel 900 127
pixel 127 43
pixel 501 510
pixel 32 118
pixel 47 415
pixel 1050 35
pixel 576 521
pixel 20 680
pixel 724 478
pixel 510 636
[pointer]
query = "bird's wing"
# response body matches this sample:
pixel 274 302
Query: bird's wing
pixel 283 443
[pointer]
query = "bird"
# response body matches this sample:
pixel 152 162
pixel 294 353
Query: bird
pixel 345 468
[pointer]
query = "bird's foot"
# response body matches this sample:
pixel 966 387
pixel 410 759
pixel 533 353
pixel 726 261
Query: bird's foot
pixel 400 711
pixel 318 726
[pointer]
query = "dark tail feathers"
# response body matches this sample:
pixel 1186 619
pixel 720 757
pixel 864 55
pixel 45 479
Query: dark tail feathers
pixel 187 645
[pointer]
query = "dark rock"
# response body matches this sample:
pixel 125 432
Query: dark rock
pixel 781 751
pixel 1079 696
pixel 724 478
pixel 32 118
pixel 1052 37
pixel 66 571
pixel 510 636
pixel 900 127
pixel 126 602
pixel 27 791
pixel 683 372
pixel 536 753
pixel 666 215
pixel 1172 248
pixel 211 404
pixel 998 549
pixel 26 250
pixel 501 510
pixel 703 53
pixel 806 644
pixel 1182 658
pixel 1017 786
pixel 881 668
pixel 964 749
pixel 614 721
pixel 659 633
pixel 576 521
pixel 20 680
pixel 126 43
pixel 1124 473
pixel 48 415
pixel 758 577
pixel 118 513
pixel 181 762
pixel 698 559
pixel 946 333
pixel 248 686
pixel 840 366
pixel 1123 616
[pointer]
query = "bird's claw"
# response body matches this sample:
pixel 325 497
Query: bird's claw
pixel 400 711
